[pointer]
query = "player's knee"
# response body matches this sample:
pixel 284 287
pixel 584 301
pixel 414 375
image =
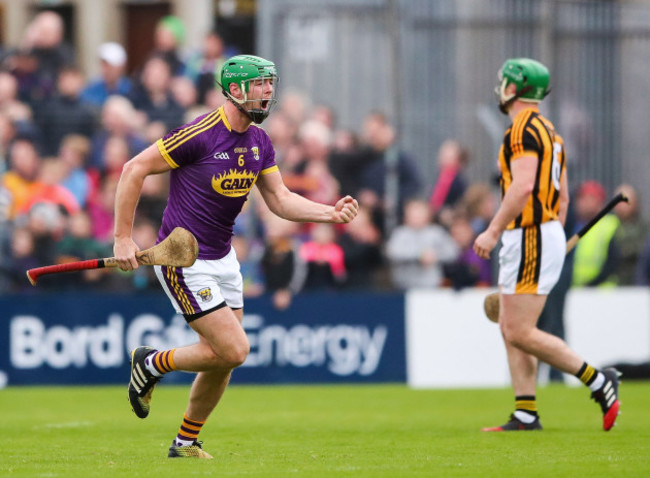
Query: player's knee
pixel 237 352
pixel 514 334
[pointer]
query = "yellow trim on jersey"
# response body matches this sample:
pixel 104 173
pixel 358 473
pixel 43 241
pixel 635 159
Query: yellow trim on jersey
pixel 203 127
pixel 183 132
pixel 524 153
pixel 270 170
pixel 165 155
pixel 226 123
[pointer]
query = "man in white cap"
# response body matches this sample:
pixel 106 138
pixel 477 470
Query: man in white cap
pixel 112 80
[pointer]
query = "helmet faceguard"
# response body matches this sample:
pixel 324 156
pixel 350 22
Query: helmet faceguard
pixel 255 77
pixel 530 77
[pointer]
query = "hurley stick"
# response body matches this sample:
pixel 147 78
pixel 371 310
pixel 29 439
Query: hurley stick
pixel 179 249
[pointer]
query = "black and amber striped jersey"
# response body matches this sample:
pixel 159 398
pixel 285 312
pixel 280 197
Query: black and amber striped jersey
pixel 533 135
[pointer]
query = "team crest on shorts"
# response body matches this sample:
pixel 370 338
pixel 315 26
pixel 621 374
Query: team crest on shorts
pixel 205 294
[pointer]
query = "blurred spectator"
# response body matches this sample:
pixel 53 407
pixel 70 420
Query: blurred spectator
pixel 168 40
pixel 451 184
pixel 389 176
pixel 46 223
pixel 20 181
pixel 294 105
pixel 10 105
pixel 33 89
pixel 324 259
pixel 66 113
pixel 185 94
pixel 362 252
pixel 281 265
pixel 116 154
pixel 319 185
pixel 22 258
pixel 44 39
pixel 112 80
pixel 153 95
pixel 468 270
pixel 345 141
pixel 249 261
pixel 597 253
pixel 153 197
pixel 418 249
pixel 73 154
pixel 642 272
pixel 324 115
pixel 100 208
pixel 119 119
pixel 153 131
pixel 7 134
pixel 479 204
pixel 214 99
pixel 202 69
pixel 630 235
pixel 283 133
pixel 79 245
pixel 145 235
pixel 49 190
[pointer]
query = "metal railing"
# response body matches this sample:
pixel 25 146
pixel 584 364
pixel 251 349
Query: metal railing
pixel 431 67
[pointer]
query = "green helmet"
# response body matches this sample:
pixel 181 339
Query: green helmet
pixel 241 70
pixel 530 77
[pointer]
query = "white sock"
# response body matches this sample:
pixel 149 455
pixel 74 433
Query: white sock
pixel 524 417
pixel 598 382
pixel 149 364
pixel 179 442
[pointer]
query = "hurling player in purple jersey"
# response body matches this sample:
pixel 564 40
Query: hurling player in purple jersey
pixel 214 161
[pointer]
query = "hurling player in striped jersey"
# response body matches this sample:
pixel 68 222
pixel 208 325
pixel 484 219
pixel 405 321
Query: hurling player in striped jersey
pixel 529 222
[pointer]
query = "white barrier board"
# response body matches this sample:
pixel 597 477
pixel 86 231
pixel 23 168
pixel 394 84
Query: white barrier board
pixel 450 343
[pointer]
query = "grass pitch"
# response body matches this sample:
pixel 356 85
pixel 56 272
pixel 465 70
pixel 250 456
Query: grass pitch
pixel 322 431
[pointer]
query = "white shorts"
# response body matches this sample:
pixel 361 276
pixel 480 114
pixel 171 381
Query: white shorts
pixel 531 258
pixel 205 286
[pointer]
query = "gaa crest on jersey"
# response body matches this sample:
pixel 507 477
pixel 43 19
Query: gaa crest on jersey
pixel 205 294
pixel 234 183
pixel 256 153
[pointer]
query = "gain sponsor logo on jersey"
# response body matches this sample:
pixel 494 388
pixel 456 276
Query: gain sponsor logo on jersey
pixel 233 183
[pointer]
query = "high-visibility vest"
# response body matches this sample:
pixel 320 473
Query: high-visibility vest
pixel 591 252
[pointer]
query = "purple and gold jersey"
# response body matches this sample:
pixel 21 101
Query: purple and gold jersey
pixel 213 171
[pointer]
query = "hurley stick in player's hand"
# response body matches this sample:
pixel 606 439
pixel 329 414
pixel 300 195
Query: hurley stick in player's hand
pixel 179 249
pixel 491 302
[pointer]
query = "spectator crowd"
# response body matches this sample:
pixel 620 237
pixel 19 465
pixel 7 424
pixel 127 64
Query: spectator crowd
pixel 65 138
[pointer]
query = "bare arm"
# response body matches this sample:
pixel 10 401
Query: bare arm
pixel 128 191
pixel 293 207
pixel 524 170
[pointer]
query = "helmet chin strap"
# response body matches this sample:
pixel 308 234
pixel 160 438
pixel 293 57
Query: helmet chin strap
pixel 256 116
pixel 240 107
pixel 504 106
